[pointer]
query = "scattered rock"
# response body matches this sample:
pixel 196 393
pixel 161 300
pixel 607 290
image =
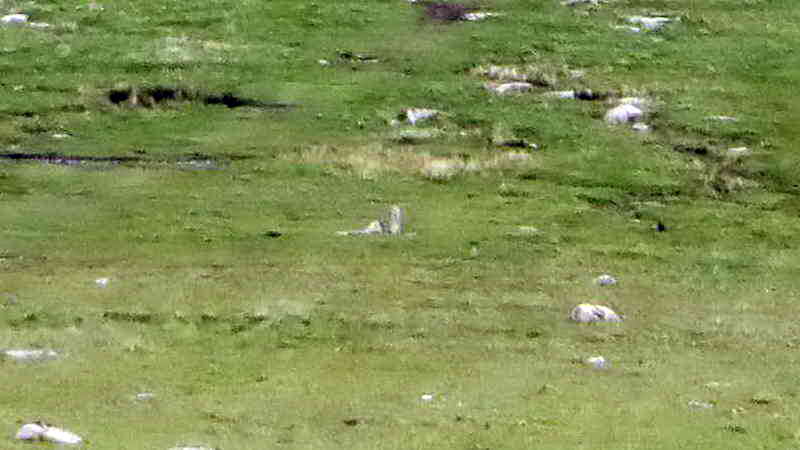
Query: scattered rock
pixel 605 280
pixel 476 16
pixel 145 396
pixel 60 136
pixel 416 135
pixel 501 73
pixel 415 115
pixel 737 152
pixel 722 118
pixel 41 432
pixel 394 224
pixel 698 404
pixel 102 282
pixel 650 23
pixel 426 397
pixel 347 55
pixel 29 355
pixel 39 25
pixel 508 88
pixel 640 127
pixel 623 114
pixel 324 62
pixel 597 362
pixel 586 313
pixel 585 94
pixel 14 19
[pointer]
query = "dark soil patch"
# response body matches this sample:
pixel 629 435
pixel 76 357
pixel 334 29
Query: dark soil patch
pixel 152 96
pixel 57 158
pixel 446 11
pixel 700 150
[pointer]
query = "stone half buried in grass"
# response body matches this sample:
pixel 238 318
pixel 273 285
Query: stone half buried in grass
pixel 45 433
pixel 650 23
pixel 588 313
pixel 597 362
pixel 517 87
pixel 24 355
pixel 393 224
pixel 415 115
pixel 623 114
pixel 14 19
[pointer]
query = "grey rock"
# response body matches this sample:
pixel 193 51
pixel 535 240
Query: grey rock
pixel 588 313
pixel 508 88
pixel 29 355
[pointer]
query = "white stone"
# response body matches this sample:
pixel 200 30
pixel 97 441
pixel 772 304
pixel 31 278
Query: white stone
pixel 60 136
pixel 722 118
pixel 623 114
pixel 324 62
pixel 101 282
pixel 697 404
pixel 738 151
pixel 561 94
pixel 605 280
pixel 426 397
pixel 29 355
pixel 14 19
pixel 40 432
pixel 650 23
pixel 396 222
pixel 586 313
pixel 508 88
pixel 145 396
pixel 501 73
pixel 39 25
pixel 414 115
pixel 475 16
pixel 598 362
pixel 641 127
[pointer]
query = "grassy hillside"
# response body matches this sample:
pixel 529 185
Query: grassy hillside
pixel 202 156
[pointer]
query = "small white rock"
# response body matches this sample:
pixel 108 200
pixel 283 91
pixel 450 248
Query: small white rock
pixel 145 396
pixel 697 404
pixel 102 282
pixel 561 94
pixel 14 19
pixel 39 25
pixel 598 362
pixel 623 114
pixel 324 62
pixel 586 313
pixel 29 355
pixel 426 397
pixel 60 136
pixel 722 118
pixel 605 280
pixel 508 88
pixel 650 23
pixel 414 115
pixel 473 17
pixel 39 432
pixel 641 127
pixel 738 151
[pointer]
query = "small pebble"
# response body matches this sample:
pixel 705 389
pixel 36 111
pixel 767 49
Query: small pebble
pixel 426 397
pixel 605 280
pixel 597 362
pixel 14 19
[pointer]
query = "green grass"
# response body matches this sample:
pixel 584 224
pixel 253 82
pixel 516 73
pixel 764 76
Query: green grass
pixel 313 340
